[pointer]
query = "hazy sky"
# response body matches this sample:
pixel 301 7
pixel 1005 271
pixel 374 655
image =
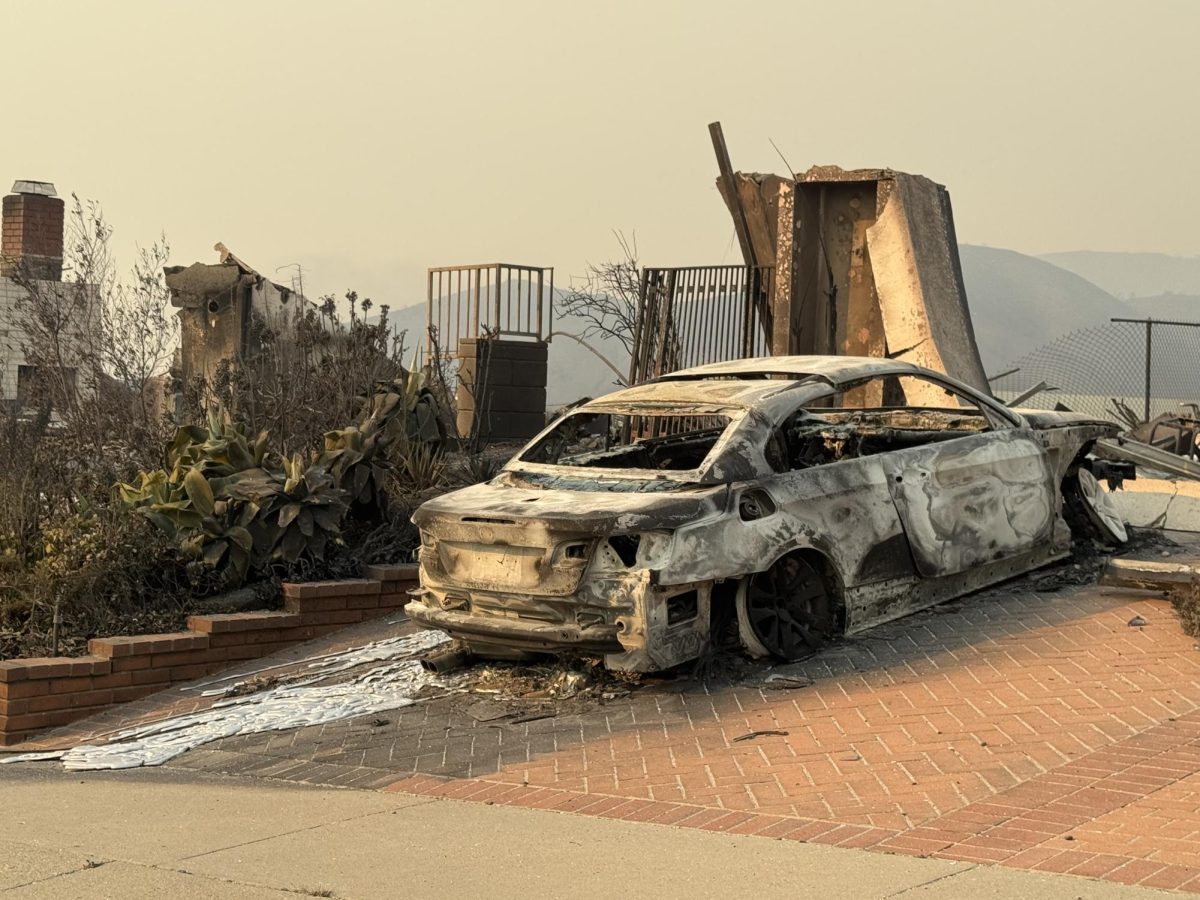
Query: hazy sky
pixel 369 140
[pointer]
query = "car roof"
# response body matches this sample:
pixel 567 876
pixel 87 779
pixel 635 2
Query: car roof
pixel 744 383
pixel 833 369
pixel 713 394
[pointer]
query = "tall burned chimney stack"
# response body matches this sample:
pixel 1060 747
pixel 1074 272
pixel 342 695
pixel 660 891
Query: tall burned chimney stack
pixel 32 235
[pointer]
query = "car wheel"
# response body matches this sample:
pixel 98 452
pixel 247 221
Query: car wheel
pixel 787 611
pixel 1099 511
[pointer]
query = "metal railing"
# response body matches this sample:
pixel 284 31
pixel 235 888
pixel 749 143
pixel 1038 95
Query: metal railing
pixel 693 315
pixel 501 299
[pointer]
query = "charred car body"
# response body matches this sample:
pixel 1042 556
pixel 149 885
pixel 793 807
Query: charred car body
pixel 807 496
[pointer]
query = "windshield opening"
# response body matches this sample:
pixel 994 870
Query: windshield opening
pixel 601 440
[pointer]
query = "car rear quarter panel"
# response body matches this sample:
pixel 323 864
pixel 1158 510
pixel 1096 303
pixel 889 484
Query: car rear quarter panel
pixel 842 510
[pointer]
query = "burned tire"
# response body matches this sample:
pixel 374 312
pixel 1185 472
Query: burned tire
pixel 1091 510
pixel 788 611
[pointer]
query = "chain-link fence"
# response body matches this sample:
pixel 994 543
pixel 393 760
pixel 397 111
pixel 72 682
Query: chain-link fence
pixel 1144 366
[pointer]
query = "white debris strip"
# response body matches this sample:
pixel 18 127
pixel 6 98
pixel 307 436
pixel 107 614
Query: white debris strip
pixel 391 684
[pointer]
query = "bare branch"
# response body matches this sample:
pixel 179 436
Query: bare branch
pixel 607 296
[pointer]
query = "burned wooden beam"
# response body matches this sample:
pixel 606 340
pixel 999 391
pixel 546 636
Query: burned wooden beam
pixel 728 188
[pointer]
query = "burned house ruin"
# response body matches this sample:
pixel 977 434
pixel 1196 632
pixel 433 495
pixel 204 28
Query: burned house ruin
pixel 223 308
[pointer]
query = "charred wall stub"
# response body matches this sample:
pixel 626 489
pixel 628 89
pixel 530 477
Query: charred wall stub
pixel 218 305
pixel 866 264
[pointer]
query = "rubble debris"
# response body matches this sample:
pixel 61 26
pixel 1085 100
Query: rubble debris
pixel 779 682
pixel 569 683
pixel 756 491
pixel 1125 449
pixel 1069 575
pixel 1177 433
pixel 487 710
pixel 766 732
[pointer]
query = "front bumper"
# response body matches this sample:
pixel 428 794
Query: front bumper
pixel 519 634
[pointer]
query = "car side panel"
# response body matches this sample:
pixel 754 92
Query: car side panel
pixel 844 510
pixel 973 500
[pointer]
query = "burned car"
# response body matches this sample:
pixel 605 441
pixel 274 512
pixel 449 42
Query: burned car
pixel 798 497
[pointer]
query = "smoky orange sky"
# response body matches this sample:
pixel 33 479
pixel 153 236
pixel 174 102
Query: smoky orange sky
pixel 368 140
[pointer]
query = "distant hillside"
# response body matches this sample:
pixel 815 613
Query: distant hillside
pixel 1133 274
pixel 1178 307
pixel 1020 302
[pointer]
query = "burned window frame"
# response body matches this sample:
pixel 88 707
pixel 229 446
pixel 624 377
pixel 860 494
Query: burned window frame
pixel 740 419
pixel 777 450
pixel 634 419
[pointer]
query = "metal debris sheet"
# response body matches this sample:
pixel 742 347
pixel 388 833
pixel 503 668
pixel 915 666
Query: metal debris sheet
pixel 393 680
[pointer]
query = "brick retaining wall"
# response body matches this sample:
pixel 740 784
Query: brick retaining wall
pixel 47 692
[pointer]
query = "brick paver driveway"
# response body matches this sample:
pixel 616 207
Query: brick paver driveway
pixel 1036 730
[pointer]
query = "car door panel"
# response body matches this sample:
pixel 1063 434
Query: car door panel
pixel 972 500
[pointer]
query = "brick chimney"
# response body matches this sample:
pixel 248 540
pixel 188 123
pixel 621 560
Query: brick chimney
pixel 32 234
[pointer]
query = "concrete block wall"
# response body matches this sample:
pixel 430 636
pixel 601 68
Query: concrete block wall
pixel 12 338
pixel 36 694
pixel 501 388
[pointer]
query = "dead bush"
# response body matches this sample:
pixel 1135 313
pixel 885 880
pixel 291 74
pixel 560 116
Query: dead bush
pixel 1187 606
pixel 310 375
pixel 104 406
pixel 100 572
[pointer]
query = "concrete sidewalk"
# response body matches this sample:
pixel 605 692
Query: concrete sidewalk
pixel 152 833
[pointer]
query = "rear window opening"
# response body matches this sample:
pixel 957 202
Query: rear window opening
pixel 672 443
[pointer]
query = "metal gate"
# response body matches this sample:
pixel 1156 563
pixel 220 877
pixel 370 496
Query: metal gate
pixel 700 314
pixel 495 298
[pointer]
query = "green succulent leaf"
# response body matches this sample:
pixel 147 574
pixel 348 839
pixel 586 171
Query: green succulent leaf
pixel 241 538
pixel 198 491
pixel 288 514
pixel 214 552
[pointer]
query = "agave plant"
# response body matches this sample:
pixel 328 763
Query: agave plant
pixel 188 511
pixel 290 513
pixel 225 508
pixel 217 451
pixel 401 411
